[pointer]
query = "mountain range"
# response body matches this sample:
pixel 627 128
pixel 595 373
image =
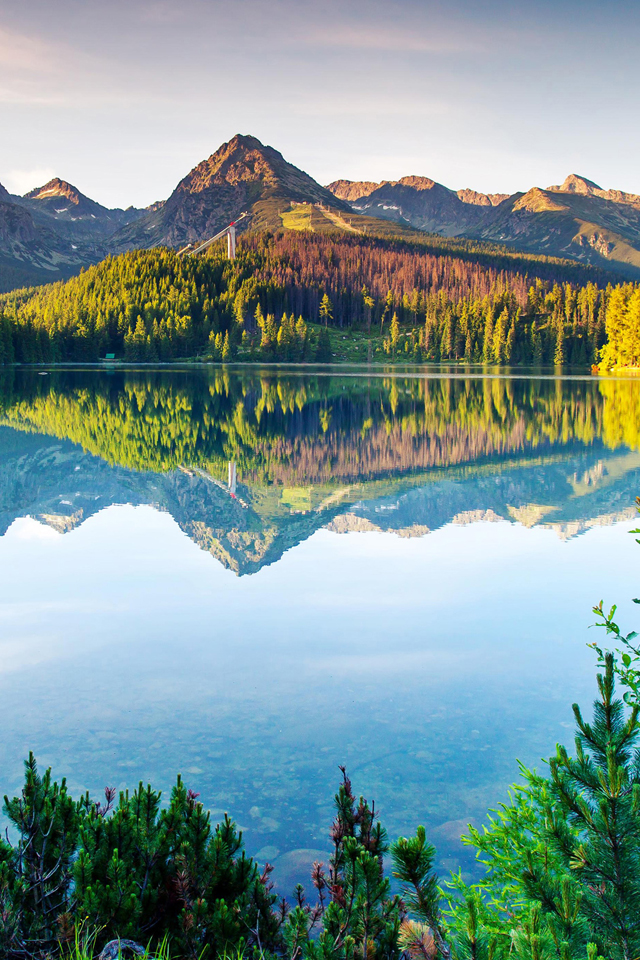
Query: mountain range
pixel 55 230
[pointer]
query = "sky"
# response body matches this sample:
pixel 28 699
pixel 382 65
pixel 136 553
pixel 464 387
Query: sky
pixel 123 97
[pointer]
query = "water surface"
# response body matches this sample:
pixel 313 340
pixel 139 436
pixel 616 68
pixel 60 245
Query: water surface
pixel 253 576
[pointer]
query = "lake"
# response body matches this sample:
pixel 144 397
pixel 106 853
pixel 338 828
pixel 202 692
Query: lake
pixel 252 576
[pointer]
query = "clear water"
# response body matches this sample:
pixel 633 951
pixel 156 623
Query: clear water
pixel 253 576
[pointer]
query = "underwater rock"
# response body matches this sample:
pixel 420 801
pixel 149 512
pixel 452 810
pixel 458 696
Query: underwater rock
pixel 295 867
pixel 267 853
pixel 451 830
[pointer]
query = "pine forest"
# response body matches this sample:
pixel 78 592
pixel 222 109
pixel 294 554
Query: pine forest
pixel 295 297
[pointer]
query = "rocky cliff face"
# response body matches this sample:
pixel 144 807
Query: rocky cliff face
pixel 421 203
pixel 481 199
pixel 31 252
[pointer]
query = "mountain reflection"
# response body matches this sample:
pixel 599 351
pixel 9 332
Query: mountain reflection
pixel 251 463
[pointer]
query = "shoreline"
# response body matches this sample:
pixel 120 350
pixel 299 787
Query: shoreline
pixel 438 369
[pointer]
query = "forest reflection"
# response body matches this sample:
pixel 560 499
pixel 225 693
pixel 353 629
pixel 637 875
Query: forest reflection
pixel 252 462
pixel 285 428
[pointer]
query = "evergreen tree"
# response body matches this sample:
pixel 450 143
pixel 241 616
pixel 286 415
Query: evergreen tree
pixel 559 356
pixel 324 354
pixel 326 310
pixel 395 333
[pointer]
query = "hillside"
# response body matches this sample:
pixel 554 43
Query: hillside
pixel 290 295
pixel 576 219
pixel 584 226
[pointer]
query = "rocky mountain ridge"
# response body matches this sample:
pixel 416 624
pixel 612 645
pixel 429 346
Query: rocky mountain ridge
pixel 576 219
pixel 62 201
pixel 54 230
pixel 351 190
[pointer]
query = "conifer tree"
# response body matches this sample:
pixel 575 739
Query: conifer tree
pixel 394 333
pixel 324 353
pixel 35 875
pixel 326 310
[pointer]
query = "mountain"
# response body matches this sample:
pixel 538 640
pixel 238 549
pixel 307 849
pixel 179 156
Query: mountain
pixel 62 485
pixel 565 221
pixel 353 453
pixel 576 184
pixel 74 212
pixel 576 219
pixel 417 202
pixel 52 232
pixel 242 175
pixel 31 252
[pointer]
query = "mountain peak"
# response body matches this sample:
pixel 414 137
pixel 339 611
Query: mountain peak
pixel 538 201
pixel 4 194
pixel 246 170
pixel 418 183
pixel 244 159
pixel 576 184
pixel 56 188
pixel 242 175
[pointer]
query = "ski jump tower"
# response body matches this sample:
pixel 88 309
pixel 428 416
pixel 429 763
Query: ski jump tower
pixel 228 231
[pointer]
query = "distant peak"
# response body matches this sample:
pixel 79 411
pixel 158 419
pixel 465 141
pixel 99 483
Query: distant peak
pixel 538 201
pixel 418 183
pixel 4 193
pixel 467 195
pixel 576 184
pixel 354 189
pixel 55 188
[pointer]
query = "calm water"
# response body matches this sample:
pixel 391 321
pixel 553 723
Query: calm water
pixel 251 577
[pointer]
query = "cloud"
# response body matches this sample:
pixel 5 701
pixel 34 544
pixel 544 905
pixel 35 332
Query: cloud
pixel 21 181
pixel 25 54
pixel 391 39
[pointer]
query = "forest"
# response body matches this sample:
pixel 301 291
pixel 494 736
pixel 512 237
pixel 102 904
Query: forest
pixel 560 859
pixel 296 297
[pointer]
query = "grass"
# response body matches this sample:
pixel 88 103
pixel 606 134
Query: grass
pixel 353 345
pixel 297 218
pixel 361 346
pixel 84 946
